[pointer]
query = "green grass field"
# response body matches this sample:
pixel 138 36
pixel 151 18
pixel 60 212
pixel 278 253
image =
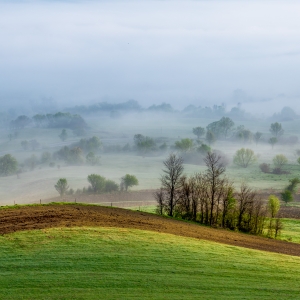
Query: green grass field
pixel 111 263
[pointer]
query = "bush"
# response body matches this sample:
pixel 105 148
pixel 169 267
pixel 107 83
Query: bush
pixel 265 168
pixel 111 186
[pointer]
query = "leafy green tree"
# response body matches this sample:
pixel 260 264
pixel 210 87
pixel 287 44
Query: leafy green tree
pixel 128 181
pixel 221 127
pixel 273 205
pixel 244 157
pixel 204 149
pixel 97 183
pixel 199 131
pixel 184 145
pixel 8 165
pixel 111 186
pixel 62 186
pixel 143 143
pixel 92 159
pixel 286 196
pixel 273 141
pixel 63 135
pixel 279 161
pixel 276 129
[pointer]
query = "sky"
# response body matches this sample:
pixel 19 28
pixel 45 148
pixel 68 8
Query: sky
pixel 180 52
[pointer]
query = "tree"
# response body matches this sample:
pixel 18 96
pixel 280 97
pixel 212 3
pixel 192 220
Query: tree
pixel 184 145
pixel 199 131
pixel 62 186
pixel 8 165
pixel 279 161
pixel 273 205
pixel 92 159
pixel 170 181
pixel 204 149
pixel 63 135
pixel 210 137
pixel 144 143
pixel 129 181
pixel 215 170
pixel 244 157
pixel 276 129
pixel 97 183
pixel 273 141
pixel 257 135
pixel 111 186
pixel 286 196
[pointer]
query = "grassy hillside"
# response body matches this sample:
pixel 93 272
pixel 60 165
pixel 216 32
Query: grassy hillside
pixel 102 263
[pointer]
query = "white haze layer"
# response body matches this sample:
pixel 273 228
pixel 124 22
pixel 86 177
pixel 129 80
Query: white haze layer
pixel 181 52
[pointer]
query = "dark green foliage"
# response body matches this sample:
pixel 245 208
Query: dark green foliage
pixel 273 141
pixel 8 165
pixel 92 159
pixel 92 144
pixel 210 137
pixel 63 135
pixel 70 155
pixel 199 131
pixel 204 149
pixel 276 129
pixel 62 186
pixel 128 181
pixel 60 120
pixel 221 128
pixel 184 145
pixel 144 144
pixel 287 196
pixel 20 122
pixel 97 183
pixel 257 136
pixel 111 186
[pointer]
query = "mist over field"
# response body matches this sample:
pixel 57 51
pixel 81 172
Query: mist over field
pixel 136 78
pixel 62 53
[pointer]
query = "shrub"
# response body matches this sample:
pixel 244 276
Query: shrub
pixel 265 168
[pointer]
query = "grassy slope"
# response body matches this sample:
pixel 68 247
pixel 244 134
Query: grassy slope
pixel 101 263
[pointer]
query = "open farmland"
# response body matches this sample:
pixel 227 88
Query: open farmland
pixel 122 263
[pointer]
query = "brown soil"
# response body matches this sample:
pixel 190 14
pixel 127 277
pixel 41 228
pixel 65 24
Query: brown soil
pixel 39 217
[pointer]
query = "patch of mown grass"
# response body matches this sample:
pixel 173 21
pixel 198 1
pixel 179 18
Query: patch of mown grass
pixel 114 263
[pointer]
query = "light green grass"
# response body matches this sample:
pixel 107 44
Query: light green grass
pixel 291 230
pixel 102 263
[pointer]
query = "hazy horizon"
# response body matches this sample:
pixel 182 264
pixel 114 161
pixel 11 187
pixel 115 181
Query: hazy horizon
pixel 179 52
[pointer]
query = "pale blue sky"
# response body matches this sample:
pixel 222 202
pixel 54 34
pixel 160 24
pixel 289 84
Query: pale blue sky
pixel 152 51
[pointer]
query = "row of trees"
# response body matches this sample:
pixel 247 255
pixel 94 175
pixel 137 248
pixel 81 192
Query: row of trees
pixel 224 128
pixel 209 198
pixel 98 185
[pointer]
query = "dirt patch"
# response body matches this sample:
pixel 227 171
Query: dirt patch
pixel 39 217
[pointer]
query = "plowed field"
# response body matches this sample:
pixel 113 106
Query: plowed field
pixel 39 217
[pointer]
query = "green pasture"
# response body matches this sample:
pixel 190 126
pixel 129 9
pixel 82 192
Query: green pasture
pixel 39 183
pixel 113 263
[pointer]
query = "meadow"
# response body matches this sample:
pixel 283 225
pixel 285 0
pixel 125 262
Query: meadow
pixel 113 263
pixel 39 183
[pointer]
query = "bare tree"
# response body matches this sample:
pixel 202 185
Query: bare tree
pixel 213 174
pixel 171 180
